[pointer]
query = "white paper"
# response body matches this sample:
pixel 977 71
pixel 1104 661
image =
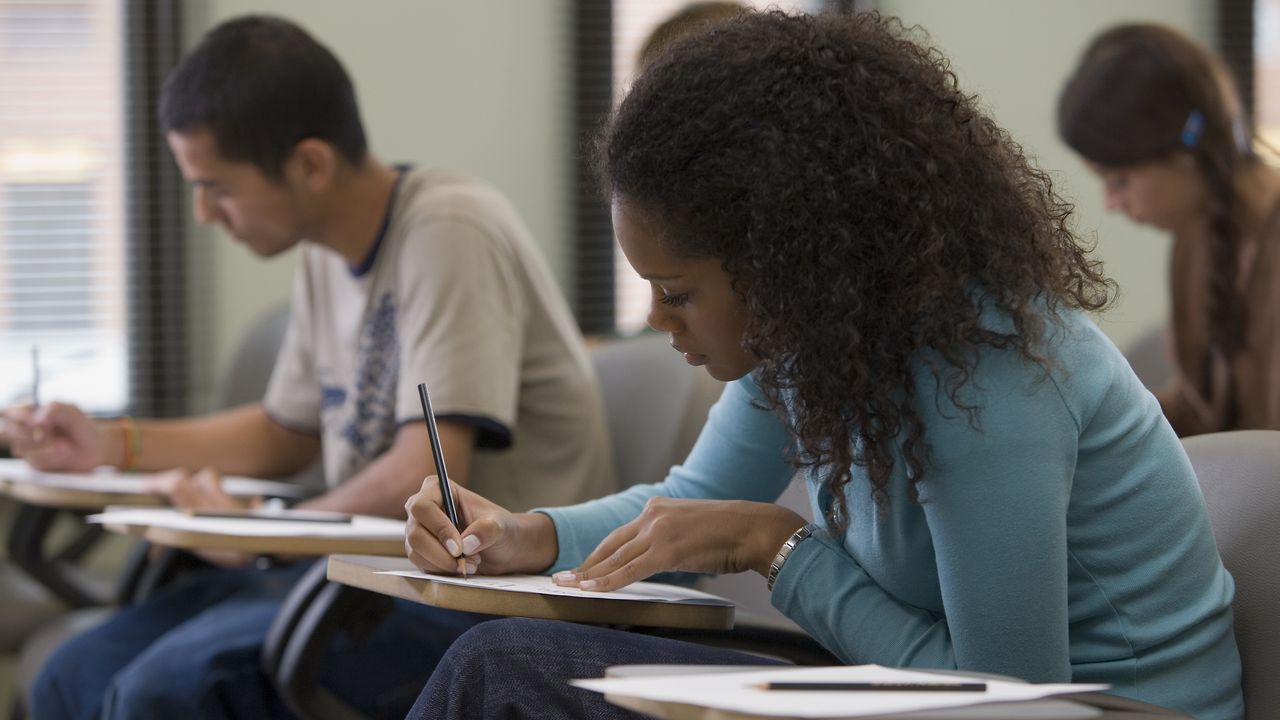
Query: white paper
pixel 360 527
pixel 542 585
pixel 735 691
pixel 107 480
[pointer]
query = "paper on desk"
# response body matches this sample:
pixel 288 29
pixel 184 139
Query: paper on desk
pixel 360 527
pixel 106 480
pixel 542 585
pixel 734 691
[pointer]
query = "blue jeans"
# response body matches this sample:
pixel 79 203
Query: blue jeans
pixel 519 670
pixel 193 651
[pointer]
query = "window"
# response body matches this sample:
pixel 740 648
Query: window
pixel 1266 70
pixel 62 224
pixel 92 253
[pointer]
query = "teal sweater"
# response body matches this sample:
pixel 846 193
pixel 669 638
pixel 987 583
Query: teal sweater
pixel 1062 539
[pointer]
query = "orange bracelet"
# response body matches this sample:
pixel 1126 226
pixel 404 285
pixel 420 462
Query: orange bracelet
pixel 131 441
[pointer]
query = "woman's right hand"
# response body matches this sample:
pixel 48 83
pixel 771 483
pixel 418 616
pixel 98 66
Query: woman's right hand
pixel 54 437
pixel 494 541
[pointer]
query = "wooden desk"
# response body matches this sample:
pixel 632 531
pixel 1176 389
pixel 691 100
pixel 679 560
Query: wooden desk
pixel 94 491
pixel 1094 706
pixel 361 572
pixel 43 496
pixel 172 528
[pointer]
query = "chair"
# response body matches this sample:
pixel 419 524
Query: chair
pixel 244 381
pixel 1149 359
pixel 1239 474
pixel 655 406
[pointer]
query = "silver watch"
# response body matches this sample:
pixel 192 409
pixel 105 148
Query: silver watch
pixel 785 552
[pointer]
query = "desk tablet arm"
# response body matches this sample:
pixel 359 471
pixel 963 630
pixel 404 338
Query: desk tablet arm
pixel 56 570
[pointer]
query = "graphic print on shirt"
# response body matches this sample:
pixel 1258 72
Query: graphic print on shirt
pixel 366 417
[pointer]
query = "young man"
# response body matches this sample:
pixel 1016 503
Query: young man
pixel 407 276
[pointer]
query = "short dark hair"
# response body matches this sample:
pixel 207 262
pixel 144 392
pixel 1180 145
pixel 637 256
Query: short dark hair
pixel 261 85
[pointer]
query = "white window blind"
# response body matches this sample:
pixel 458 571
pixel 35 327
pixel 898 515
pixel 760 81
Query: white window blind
pixel 62 200
pixel 1266 70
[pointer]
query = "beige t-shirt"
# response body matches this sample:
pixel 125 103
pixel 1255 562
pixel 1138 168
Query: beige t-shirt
pixel 456 295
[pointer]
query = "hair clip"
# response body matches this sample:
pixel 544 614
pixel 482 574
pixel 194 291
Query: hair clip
pixel 1192 129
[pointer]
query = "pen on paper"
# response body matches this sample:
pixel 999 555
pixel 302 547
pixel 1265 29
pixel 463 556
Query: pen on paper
pixel 442 475
pixel 36 433
pixel 874 686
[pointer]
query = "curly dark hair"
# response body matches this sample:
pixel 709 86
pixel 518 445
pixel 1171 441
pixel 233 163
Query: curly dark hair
pixel 861 204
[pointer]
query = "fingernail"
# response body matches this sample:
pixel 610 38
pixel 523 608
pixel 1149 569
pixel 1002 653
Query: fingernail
pixel 469 544
pixel 563 576
pixel 471 568
pixel 451 546
pixel 587 585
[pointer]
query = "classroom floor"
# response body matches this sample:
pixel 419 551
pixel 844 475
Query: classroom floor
pixel 7 663
pixel 104 560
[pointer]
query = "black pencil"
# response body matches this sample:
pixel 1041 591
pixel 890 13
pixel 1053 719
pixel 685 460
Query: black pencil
pixel 876 686
pixel 446 489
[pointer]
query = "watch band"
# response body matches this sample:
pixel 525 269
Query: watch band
pixel 785 552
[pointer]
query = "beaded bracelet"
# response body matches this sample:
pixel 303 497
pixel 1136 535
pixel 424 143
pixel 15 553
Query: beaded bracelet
pixel 131 441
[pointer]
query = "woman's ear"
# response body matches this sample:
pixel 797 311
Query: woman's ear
pixel 312 165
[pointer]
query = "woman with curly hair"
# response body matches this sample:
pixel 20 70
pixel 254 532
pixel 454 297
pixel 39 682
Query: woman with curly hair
pixel 893 293
pixel 1157 118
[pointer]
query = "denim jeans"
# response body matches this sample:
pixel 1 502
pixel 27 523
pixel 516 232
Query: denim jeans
pixel 519 670
pixel 193 651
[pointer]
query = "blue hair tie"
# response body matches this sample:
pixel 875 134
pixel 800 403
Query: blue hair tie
pixel 1192 129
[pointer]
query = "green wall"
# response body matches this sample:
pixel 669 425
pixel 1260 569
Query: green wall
pixel 482 86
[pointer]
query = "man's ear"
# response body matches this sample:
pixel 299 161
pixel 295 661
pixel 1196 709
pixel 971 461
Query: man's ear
pixel 312 165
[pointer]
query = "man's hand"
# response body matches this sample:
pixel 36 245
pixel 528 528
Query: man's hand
pixel 56 437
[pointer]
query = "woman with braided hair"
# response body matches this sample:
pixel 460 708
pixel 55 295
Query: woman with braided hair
pixel 895 298
pixel 1157 118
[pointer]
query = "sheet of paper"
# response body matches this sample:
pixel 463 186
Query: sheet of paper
pixel 361 526
pixel 107 480
pixel 737 692
pixel 542 585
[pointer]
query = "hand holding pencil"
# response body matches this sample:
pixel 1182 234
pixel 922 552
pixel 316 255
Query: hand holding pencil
pixel 56 436
pixel 494 541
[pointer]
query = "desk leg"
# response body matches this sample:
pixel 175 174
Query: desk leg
pixel 26 548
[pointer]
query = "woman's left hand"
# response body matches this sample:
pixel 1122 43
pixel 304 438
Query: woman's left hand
pixel 706 536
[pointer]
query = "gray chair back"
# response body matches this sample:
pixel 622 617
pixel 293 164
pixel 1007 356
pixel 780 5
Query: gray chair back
pixel 245 379
pixel 655 405
pixel 1149 360
pixel 1239 473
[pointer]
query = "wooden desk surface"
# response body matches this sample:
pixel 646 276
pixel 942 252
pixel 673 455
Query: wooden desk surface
pixel 1097 706
pixel 362 572
pixel 34 493
pixel 258 545
pixel 94 491
pixel 260 537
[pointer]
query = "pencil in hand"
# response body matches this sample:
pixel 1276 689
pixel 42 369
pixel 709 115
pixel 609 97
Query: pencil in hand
pixel 442 475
